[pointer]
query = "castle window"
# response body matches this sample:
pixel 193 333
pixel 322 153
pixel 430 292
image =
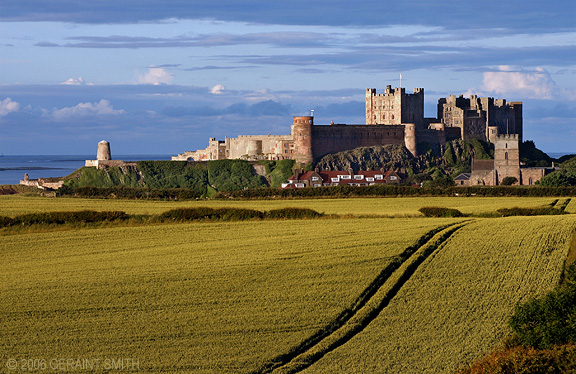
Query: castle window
pixel 506 156
pixel 530 182
pixel 506 145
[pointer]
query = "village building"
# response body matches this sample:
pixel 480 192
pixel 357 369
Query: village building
pixel 301 179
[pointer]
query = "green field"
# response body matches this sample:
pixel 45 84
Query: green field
pixel 218 297
pixel 12 205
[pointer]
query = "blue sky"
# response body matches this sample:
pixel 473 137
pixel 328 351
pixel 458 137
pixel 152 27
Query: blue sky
pixel 161 77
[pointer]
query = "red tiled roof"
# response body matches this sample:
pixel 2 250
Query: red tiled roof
pixel 368 173
pixel 305 176
pixel 327 175
pixel 482 164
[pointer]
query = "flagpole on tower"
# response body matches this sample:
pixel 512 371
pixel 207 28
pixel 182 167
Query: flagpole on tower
pixel 400 80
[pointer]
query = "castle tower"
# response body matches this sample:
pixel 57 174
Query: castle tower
pixel 410 138
pixel 507 157
pixel 394 106
pixel 103 151
pixel 493 132
pixel 302 137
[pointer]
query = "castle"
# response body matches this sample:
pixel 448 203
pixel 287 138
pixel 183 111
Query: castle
pixel 392 117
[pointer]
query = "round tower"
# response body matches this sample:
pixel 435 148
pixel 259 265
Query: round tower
pixel 410 138
pixel 302 137
pixel 254 147
pixel 103 151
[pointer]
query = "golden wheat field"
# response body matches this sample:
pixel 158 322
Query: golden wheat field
pixel 349 294
pixel 208 297
pixel 12 205
pixel 455 307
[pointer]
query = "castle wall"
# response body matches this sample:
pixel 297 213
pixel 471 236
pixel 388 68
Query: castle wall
pixel 532 175
pixel 216 150
pixel 102 164
pixel 435 134
pixel 250 146
pixel 337 138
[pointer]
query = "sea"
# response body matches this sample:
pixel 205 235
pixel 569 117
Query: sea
pixel 12 168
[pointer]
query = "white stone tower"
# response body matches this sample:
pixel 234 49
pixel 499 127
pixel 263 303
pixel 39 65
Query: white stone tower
pixel 103 151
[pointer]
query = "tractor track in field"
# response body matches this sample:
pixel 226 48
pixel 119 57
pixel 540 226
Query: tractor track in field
pixel 367 306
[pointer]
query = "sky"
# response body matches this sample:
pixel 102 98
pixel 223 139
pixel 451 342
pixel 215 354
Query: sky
pixel 161 77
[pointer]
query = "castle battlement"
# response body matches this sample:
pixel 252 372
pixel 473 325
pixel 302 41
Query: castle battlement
pixel 508 137
pixel 264 136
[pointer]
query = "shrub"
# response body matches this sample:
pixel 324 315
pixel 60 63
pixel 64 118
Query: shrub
pixel 237 214
pixel 536 211
pixel 559 178
pixel 188 214
pixel 293 213
pixel 559 359
pixel 434 211
pixel 508 181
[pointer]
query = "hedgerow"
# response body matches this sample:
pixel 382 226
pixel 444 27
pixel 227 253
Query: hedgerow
pixel 83 216
pixel 536 211
pixel 236 214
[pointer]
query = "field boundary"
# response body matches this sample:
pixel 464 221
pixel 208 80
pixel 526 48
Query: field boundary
pixel 367 306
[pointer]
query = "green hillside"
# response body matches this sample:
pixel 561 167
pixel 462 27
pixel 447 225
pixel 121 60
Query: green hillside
pixel 204 178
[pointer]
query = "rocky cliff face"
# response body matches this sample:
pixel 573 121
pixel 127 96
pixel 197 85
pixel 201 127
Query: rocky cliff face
pixel 388 157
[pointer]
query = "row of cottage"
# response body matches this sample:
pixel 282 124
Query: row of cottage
pixel 303 179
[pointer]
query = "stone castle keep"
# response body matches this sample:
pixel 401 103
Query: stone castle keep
pixel 392 117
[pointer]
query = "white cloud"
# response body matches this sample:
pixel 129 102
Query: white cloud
pixel 261 95
pixel 217 89
pixel 8 106
pixel 103 107
pixel 532 84
pixel 156 76
pixel 76 82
